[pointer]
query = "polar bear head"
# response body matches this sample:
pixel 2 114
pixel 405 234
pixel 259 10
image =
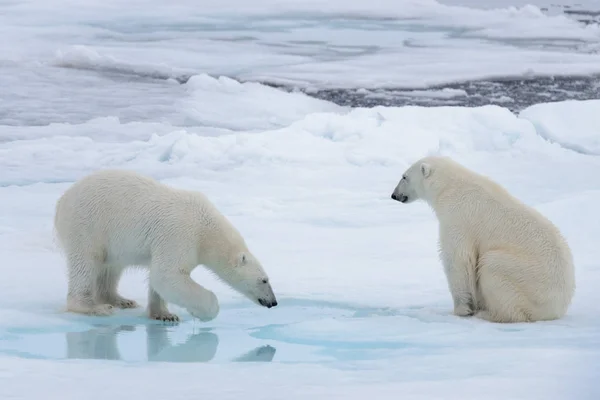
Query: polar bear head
pixel 413 185
pixel 244 273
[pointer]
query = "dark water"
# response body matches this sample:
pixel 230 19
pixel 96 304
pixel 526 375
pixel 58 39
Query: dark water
pixel 514 94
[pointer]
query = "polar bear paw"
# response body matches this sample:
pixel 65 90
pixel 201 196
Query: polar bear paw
pixel 100 310
pixel 164 316
pixel 463 310
pixel 103 309
pixel 121 302
pixel 87 307
pixel 208 310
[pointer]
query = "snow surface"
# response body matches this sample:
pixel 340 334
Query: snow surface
pixel 364 309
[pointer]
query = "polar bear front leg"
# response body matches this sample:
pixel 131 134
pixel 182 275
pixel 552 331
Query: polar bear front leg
pixel 176 286
pixel 157 308
pixel 458 283
pixel 459 267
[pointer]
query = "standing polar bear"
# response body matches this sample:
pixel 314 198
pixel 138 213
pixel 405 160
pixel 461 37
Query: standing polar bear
pixel 114 219
pixel 504 261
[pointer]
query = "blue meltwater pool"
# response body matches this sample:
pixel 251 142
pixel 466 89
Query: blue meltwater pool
pixel 296 331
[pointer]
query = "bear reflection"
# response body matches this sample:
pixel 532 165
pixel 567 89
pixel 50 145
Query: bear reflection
pixel 100 343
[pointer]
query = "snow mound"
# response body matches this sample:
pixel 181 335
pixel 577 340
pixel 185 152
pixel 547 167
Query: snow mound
pixel 573 124
pixel 378 136
pixel 226 103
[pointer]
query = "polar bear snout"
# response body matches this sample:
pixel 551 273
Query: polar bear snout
pixel 401 198
pixel 267 299
pixel 267 303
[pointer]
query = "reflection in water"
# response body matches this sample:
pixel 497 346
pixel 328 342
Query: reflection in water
pixel 100 342
pixel 199 347
pixel 97 343
pixel 262 353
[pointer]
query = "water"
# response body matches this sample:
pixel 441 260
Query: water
pixel 297 331
pixel 135 342
pixel 235 337
pixel 514 94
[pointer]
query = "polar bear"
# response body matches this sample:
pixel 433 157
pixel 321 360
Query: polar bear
pixel 503 260
pixel 114 219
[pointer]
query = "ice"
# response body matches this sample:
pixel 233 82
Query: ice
pixel 359 137
pixel 408 43
pixel 341 53
pixel 572 124
pixel 364 309
pixel 363 299
pixel 207 95
pixel 552 7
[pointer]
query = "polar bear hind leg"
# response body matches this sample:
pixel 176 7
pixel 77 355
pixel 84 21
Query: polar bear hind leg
pixel 503 298
pixel 107 284
pixel 83 277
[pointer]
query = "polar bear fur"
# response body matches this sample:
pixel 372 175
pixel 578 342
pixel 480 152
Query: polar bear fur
pixel 503 260
pixel 114 219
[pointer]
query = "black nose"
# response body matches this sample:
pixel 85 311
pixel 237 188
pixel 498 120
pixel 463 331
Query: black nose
pixel 265 303
pixel 394 196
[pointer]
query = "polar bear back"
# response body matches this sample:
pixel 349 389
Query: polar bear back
pixel 482 208
pixel 123 216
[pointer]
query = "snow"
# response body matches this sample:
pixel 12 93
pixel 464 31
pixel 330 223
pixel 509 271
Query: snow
pixel 552 7
pixel 207 96
pixel 364 308
pixel 570 123
pixel 307 43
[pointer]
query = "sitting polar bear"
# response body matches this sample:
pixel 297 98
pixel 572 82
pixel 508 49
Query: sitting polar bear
pixel 504 261
pixel 113 219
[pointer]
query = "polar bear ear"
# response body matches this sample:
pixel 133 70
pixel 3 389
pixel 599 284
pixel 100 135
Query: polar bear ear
pixel 425 169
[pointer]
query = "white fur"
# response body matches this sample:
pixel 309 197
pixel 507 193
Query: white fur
pixel 113 219
pixel 504 261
